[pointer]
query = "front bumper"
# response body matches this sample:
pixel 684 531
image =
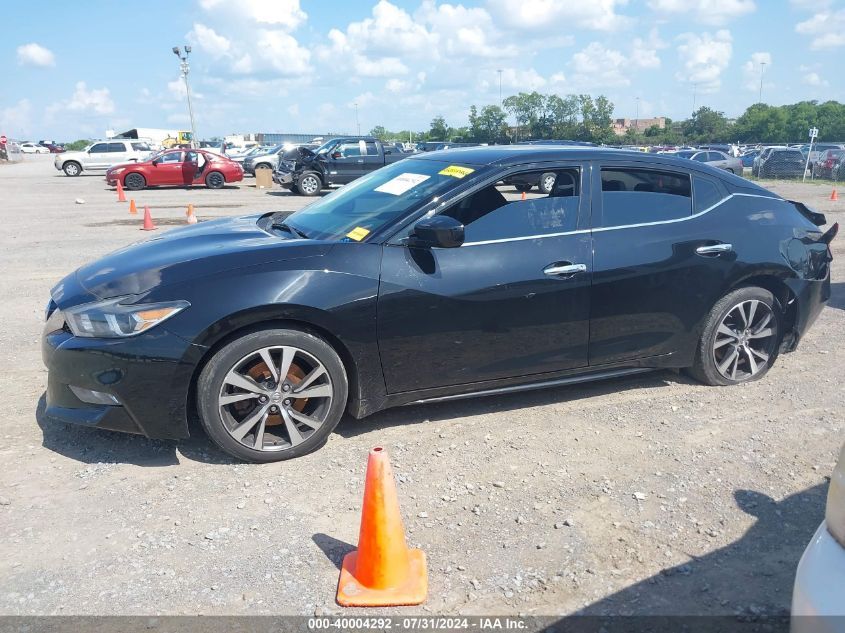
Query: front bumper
pixel 283 178
pixel 149 374
pixel 819 591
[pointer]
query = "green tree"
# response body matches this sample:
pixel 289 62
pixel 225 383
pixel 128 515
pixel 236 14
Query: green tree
pixel 488 126
pixel 75 146
pixel 706 125
pixel 439 129
pixel 379 132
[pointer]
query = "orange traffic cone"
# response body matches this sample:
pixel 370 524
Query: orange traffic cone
pixel 834 195
pixel 383 572
pixel 148 220
pixel 192 219
pixel 132 208
pixel 121 197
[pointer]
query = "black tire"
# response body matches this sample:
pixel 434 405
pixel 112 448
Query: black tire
pixel 523 188
pixel 705 369
pixel 547 182
pixel 730 171
pixel 309 184
pixel 215 180
pixel 72 168
pixel 134 181
pixel 211 379
pixel 263 166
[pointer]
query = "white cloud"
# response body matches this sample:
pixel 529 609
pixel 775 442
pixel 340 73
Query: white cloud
pixel 810 77
pixel 16 120
pixel 706 11
pixel 293 109
pixel 33 54
pixel 285 14
pixel 826 29
pixel 752 69
pixel 468 32
pixel 281 52
pixel 554 15
pixel 599 66
pixel 97 100
pixel 209 41
pixel 704 57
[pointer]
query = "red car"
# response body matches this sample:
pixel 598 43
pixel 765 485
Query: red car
pixel 177 167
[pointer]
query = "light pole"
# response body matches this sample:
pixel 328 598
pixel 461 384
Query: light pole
pixel 637 120
pixel 185 68
pixel 357 122
pixel 694 90
pixel 762 70
pixel 500 86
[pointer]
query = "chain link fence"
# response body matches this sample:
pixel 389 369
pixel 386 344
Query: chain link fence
pixel 793 163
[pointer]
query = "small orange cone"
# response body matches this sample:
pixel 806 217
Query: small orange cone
pixel 382 572
pixel 834 195
pixel 192 219
pixel 121 197
pixel 148 220
pixel 132 208
pixel 523 195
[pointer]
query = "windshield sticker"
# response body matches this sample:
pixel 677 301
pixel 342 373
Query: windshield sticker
pixel 402 183
pixel 358 233
pixel 456 171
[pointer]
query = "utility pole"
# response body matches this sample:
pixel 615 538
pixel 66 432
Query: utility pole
pixel 357 122
pixel 637 119
pixel 500 86
pixel 694 90
pixel 185 68
pixel 762 70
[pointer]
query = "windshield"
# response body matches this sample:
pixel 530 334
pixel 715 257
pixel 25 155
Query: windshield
pixel 378 199
pixel 325 147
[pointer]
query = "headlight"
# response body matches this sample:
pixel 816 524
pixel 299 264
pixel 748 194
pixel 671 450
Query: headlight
pixel 835 511
pixel 116 170
pixel 111 319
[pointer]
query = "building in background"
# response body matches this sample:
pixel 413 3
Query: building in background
pixel 621 126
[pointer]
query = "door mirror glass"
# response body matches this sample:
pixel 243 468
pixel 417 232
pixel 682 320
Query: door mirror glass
pixel 336 155
pixel 439 231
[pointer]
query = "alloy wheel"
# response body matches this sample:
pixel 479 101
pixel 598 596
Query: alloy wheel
pixel 549 182
pixel 309 184
pixel 275 398
pixel 745 340
pixel 215 180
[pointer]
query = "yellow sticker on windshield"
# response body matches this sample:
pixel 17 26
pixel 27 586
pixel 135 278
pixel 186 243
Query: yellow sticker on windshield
pixel 456 171
pixel 358 233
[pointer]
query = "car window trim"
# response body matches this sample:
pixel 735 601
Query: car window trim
pixel 459 194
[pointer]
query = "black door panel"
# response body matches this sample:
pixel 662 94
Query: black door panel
pixel 481 312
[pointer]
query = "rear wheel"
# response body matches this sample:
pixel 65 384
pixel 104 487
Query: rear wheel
pixel 215 180
pixel 309 184
pixel 72 168
pixel 523 188
pixel 272 395
pixel 741 338
pixel 134 182
pixel 547 182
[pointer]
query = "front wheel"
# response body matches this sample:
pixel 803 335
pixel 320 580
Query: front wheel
pixel 309 185
pixel 134 182
pixel 215 180
pixel 741 338
pixel 272 395
pixel 72 169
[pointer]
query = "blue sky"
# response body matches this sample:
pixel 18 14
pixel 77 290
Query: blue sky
pixel 77 69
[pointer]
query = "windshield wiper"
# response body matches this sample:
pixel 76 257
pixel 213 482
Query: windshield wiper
pixel 287 227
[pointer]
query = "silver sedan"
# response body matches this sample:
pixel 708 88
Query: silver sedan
pixel 720 160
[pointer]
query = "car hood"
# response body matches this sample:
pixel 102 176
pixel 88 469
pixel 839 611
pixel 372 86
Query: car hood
pixel 188 253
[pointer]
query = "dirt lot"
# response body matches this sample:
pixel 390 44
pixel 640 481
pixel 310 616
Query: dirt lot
pixel 644 495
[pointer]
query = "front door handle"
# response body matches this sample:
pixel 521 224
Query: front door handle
pixel 360 160
pixel 714 249
pixel 564 269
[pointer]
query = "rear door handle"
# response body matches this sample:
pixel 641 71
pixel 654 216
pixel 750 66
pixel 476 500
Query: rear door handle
pixel 714 249
pixel 564 269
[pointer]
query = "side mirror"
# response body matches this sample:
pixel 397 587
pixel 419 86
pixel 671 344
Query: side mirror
pixel 155 162
pixel 336 155
pixel 438 231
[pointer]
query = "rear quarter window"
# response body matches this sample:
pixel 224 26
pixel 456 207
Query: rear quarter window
pixel 706 194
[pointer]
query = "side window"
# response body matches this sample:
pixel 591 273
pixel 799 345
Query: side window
pixel 100 148
pixel 171 157
pixel 502 210
pixel 700 157
pixel 115 148
pixel 706 193
pixel 635 196
pixel 372 150
pixel 348 149
pixel 140 147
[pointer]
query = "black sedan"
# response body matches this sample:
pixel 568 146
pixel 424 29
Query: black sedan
pixel 429 280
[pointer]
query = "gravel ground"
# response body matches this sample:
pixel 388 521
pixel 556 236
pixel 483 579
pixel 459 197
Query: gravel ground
pixel 648 495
